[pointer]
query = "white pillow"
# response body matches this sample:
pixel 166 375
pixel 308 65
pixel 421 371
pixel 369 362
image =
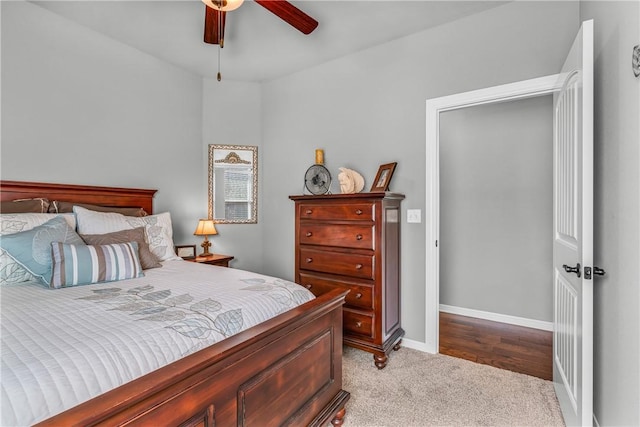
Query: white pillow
pixel 158 228
pixel 10 270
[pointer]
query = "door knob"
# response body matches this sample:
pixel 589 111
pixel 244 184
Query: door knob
pixel 575 269
pixel 599 271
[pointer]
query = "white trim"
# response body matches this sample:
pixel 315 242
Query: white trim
pixel 508 92
pixel 497 317
pixel 416 345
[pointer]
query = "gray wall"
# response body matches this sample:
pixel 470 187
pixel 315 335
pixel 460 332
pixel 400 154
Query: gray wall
pixel 81 108
pixel 496 201
pixel 368 108
pixel 231 115
pixel 617 212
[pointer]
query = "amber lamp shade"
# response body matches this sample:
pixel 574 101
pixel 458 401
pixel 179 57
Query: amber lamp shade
pixel 206 227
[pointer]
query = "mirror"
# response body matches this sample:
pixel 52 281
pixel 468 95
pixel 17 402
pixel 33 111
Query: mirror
pixel 233 184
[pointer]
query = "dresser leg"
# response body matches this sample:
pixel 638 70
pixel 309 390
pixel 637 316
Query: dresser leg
pixel 380 360
pixel 397 346
pixel 339 418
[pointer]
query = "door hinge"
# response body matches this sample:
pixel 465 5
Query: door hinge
pixel 436 243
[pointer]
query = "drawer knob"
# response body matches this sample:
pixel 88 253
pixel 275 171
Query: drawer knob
pixel 358 236
pixel 358 211
pixel 307 286
pixel 309 234
pixel 358 266
pixel 358 295
pixel 358 324
pixel 308 212
pixel 308 260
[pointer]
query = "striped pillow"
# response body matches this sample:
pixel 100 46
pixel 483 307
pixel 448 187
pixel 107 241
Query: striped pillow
pixel 86 264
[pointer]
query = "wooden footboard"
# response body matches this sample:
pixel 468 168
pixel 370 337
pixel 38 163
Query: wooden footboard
pixel 286 371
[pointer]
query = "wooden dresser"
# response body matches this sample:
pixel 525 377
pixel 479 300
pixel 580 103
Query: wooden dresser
pixel 352 241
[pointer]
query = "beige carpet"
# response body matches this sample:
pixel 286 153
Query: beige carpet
pixel 420 389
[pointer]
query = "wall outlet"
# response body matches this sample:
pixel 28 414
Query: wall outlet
pixel 414 215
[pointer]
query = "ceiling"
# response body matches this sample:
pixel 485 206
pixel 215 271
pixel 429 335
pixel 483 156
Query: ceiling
pixel 258 45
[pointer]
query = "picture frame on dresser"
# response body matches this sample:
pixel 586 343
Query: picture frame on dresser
pixel 186 251
pixel 383 177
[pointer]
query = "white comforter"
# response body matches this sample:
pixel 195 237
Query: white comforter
pixel 65 346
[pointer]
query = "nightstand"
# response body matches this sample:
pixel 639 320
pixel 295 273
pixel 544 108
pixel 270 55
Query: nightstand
pixel 215 259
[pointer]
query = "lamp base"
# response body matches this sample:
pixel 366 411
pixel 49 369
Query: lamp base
pixel 206 244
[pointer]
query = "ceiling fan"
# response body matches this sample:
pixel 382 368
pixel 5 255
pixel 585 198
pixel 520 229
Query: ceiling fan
pixel 216 12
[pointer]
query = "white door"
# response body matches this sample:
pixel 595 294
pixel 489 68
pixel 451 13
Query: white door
pixel 573 233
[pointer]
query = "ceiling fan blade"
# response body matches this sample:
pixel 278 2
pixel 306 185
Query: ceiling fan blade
pixel 214 21
pixel 290 14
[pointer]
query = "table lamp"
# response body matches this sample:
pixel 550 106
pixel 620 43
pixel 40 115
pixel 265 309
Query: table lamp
pixel 206 227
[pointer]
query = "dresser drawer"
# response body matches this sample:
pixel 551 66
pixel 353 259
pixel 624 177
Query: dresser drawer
pixel 353 265
pixel 360 295
pixel 358 323
pixel 348 236
pixel 363 211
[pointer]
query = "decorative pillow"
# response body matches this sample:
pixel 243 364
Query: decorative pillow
pixel 147 259
pixel 64 207
pixel 32 248
pixel 10 270
pixel 158 229
pixel 86 264
pixel 25 205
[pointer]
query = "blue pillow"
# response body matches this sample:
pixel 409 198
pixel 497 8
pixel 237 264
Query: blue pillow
pixel 86 264
pixel 32 248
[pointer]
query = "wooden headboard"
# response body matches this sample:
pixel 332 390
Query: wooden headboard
pixel 104 196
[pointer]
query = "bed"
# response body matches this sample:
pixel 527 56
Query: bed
pixel 286 370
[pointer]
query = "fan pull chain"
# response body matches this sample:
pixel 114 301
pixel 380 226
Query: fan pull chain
pixel 219 75
pixel 220 42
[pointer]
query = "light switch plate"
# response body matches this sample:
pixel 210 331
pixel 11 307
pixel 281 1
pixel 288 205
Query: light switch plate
pixel 414 215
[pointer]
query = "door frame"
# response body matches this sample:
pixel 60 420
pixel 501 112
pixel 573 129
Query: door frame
pixel 503 93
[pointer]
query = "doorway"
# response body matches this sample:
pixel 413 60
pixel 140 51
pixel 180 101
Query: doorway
pixel 499 94
pixel 496 211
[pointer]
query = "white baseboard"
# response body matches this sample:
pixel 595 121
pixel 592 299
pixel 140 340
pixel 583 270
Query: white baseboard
pixel 416 345
pixel 495 317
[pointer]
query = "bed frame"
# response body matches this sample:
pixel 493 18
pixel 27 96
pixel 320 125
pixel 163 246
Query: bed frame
pixel 285 371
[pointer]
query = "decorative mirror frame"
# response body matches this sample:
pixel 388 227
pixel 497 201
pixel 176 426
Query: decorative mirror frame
pixel 211 175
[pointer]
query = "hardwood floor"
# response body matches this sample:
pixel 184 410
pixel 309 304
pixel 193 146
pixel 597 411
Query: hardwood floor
pixel 515 348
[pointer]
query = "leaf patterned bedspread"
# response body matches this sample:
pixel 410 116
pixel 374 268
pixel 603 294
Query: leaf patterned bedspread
pixel 65 346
